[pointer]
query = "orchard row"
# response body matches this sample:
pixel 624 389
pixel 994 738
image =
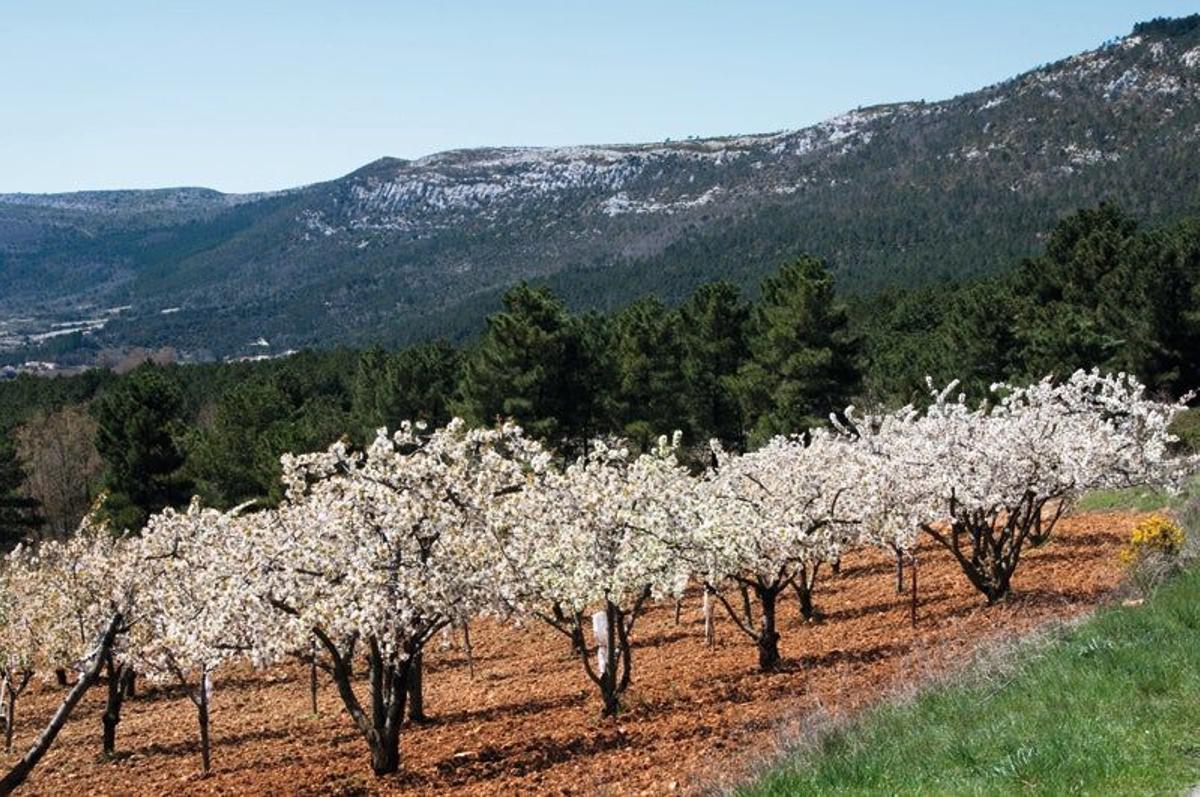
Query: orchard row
pixel 374 552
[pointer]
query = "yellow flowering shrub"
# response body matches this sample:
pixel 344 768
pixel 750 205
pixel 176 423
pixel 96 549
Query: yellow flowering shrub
pixel 1156 534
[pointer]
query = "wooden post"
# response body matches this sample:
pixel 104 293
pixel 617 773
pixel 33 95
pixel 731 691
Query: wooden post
pixel 468 650
pixel 312 675
pixel 914 589
pixel 710 637
pixel 4 702
pixel 600 632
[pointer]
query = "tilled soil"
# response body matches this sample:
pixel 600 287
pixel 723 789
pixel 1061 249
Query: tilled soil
pixel 528 721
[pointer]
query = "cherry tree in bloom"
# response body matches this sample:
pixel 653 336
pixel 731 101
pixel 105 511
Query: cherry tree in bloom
pixel 769 519
pixel 377 551
pixel 987 480
pixel 21 623
pixel 601 536
pixel 889 505
pixel 87 598
pixel 198 577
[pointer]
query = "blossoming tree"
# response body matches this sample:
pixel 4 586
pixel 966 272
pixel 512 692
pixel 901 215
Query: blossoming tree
pixel 379 550
pixel 599 536
pixel 990 479
pixel 769 519
pixel 198 578
pixel 86 590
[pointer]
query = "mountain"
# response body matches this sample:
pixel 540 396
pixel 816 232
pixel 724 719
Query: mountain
pixel 398 250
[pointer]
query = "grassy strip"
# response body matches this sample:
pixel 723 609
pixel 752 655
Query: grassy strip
pixel 1133 498
pixel 1137 499
pixel 1111 706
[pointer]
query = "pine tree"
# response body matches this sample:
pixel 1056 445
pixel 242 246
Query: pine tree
pixel 976 342
pixel 523 367
pixel 235 456
pixel 591 364
pixel 414 384
pixel 1060 326
pixel 804 359
pixel 139 423
pixel 713 332
pixel 1163 324
pixel 18 512
pixel 649 355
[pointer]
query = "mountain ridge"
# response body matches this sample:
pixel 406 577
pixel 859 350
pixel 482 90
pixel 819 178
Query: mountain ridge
pixel 396 250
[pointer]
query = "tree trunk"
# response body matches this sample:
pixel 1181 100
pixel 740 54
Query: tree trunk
pixel 468 650
pixel 112 706
pixel 678 609
pixel 10 708
pixel 804 583
pixel 614 661
pixel 806 603
pixel 60 676
pixel 608 679
pixel 988 543
pixel 20 771
pixel 380 728
pixel 4 701
pixel 385 752
pixel 768 637
pixel 202 716
pixel 899 571
pixel 416 689
pixel 14 685
pixel 709 631
pixel 578 644
pixel 312 678
pixel 747 614
pixel 130 682
pixel 390 687
pixel 913 608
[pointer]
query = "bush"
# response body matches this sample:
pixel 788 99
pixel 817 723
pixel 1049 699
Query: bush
pixel 1152 553
pixel 1157 534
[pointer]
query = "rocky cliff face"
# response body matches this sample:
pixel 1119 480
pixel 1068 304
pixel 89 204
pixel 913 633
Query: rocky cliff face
pixel 401 249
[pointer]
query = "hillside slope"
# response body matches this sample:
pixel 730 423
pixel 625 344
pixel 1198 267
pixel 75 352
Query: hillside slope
pixel 893 194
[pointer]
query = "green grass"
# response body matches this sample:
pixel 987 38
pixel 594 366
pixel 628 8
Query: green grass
pixel 1135 498
pixel 1140 499
pixel 1111 706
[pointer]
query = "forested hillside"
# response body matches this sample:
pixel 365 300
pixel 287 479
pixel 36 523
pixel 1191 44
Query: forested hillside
pixel 1101 292
pixel 906 194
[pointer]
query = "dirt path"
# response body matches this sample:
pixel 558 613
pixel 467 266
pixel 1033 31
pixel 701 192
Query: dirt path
pixel 528 721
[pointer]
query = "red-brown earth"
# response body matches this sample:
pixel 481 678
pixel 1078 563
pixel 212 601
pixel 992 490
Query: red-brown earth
pixel 527 721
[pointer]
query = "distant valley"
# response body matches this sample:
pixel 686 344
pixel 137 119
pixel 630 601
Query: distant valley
pixel 399 250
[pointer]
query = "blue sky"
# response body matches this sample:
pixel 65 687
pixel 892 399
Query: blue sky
pixel 249 95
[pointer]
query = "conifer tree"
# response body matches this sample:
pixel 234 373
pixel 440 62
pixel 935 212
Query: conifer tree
pixel 413 384
pixel 138 426
pixel 804 359
pixel 18 512
pixel 1071 315
pixel 713 332
pixel 523 367
pixel 235 457
pixel 649 354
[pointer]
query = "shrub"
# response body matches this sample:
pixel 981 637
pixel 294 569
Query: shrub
pixel 1153 551
pixel 1156 535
